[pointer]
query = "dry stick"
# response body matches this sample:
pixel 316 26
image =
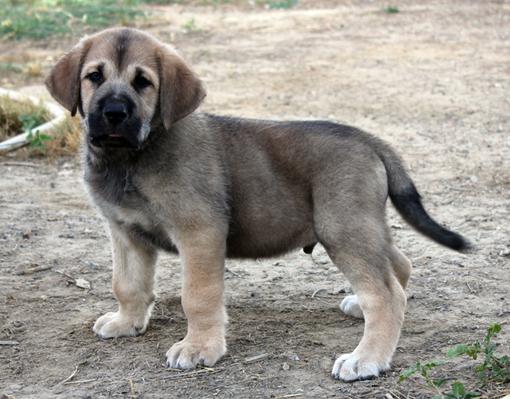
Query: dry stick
pixel 70 377
pixel 192 374
pixel 27 164
pixel 317 291
pixel 132 388
pixel 80 382
pixel 395 394
pixel 8 343
pixel 196 373
pixel 256 358
pixel 227 270
pixel 32 270
pixel 65 275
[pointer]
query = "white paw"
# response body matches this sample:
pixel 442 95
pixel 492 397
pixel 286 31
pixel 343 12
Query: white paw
pixel 114 325
pixel 350 306
pixel 186 354
pixel 350 367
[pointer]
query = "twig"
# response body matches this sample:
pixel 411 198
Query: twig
pixel 32 270
pixel 396 394
pixel 80 381
pixel 256 358
pixel 12 163
pixel 191 374
pixel 8 343
pixel 227 270
pixel 132 388
pixel 317 291
pixel 291 395
pixel 65 275
pixel 70 377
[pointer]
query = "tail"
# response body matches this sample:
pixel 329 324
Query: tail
pixel 407 200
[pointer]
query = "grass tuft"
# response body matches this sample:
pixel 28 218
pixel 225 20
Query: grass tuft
pixel 281 4
pixel 65 140
pixel 494 369
pixel 392 10
pixel 17 116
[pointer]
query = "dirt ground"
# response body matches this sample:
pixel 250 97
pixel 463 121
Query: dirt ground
pixel 433 80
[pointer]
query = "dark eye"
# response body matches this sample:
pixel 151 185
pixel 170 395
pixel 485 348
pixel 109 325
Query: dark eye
pixel 141 82
pixel 95 77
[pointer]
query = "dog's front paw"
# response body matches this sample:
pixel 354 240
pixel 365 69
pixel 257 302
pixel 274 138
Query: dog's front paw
pixel 186 354
pixel 350 306
pixel 352 367
pixel 114 325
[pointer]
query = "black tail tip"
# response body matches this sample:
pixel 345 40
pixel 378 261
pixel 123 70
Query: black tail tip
pixel 468 248
pixel 461 244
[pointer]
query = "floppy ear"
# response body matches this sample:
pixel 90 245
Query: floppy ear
pixel 63 82
pixel 180 90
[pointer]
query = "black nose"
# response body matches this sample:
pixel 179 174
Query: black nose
pixel 116 112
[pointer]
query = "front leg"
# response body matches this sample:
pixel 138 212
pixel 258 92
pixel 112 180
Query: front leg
pixel 203 257
pixel 133 283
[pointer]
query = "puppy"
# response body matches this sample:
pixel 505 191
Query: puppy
pixel 208 187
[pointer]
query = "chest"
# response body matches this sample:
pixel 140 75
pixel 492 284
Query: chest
pixel 114 191
pixel 122 202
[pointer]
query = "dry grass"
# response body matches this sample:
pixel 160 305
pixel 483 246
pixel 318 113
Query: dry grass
pixel 65 139
pixel 15 116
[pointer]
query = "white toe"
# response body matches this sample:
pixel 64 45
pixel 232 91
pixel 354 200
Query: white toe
pixel 187 354
pixel 114 325
pixel 350 306
pixel 349 367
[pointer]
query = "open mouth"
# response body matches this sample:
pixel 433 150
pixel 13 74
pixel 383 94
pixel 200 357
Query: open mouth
pixel 111 140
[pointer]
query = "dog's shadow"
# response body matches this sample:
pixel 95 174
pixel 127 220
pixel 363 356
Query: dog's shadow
pixel 275 325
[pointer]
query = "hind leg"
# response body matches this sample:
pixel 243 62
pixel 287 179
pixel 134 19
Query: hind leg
pixel 382 301
pixel 401 266
pixel 402 269
pixel 362 250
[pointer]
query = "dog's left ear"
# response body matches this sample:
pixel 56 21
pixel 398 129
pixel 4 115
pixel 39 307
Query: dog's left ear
pixel 180 90
pixel 64 82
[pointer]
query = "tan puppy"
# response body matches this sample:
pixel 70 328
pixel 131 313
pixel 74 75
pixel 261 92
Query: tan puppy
pixel 166 177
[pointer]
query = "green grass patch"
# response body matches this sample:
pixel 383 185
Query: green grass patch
pixel 283 4
pixel 391 10
pixel 13 67
pixel 280 4
pixel 189 2
pixel 40 19
pixel 494 368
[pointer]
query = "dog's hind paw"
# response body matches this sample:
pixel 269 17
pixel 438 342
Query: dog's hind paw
pixel 114 325
pixel 350 367
pixel 350 306
pixel 188 353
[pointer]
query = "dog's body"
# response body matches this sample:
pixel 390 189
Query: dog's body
pixel 208 187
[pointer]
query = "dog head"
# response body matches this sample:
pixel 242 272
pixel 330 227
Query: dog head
pixel 122 82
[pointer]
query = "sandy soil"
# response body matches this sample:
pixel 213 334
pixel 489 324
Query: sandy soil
pixel 433 80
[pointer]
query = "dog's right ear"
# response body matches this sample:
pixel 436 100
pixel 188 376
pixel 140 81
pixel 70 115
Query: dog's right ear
pixel 181 91
pixel 63 82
